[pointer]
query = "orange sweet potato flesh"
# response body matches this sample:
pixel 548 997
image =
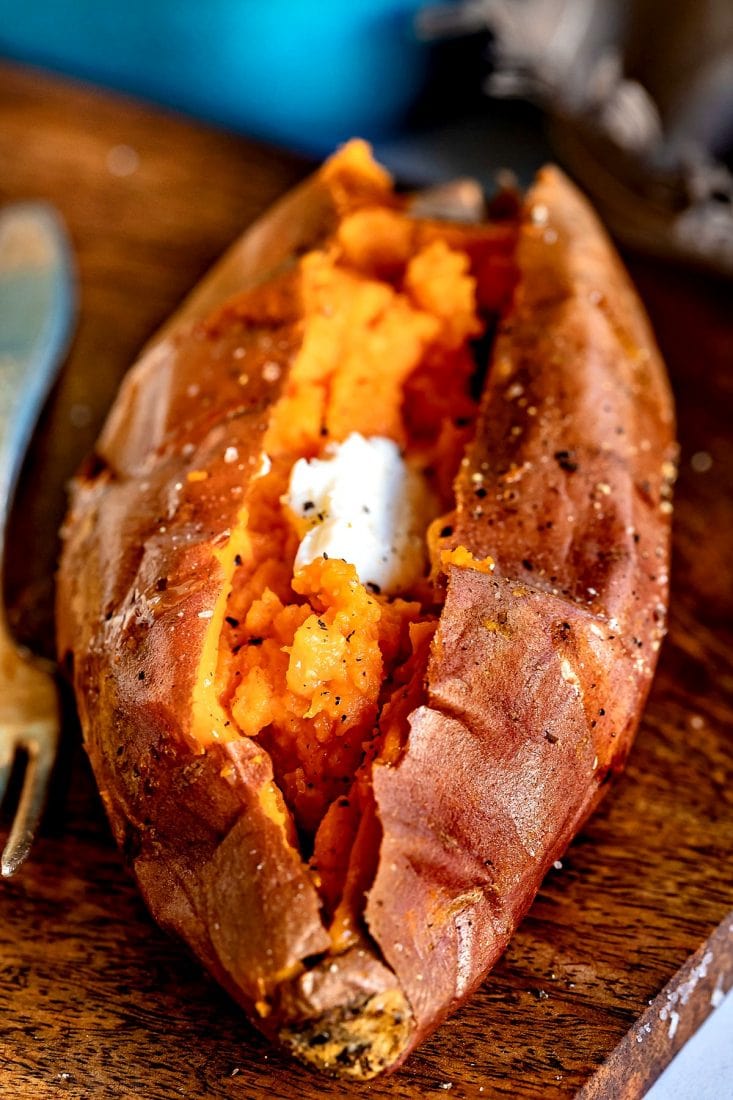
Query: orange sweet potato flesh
pixel 513 695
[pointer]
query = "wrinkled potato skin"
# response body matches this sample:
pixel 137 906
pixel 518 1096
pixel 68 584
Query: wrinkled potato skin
pixel 537 677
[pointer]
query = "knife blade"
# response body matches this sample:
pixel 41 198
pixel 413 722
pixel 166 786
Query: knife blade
pixel 37 309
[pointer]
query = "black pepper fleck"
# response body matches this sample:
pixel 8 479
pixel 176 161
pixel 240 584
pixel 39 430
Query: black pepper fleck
pixel 566 461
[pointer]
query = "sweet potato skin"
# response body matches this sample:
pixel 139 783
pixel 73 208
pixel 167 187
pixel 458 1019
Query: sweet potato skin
pixel 537 677
pixel 540 670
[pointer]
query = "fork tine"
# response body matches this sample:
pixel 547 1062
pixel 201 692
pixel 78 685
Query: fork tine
pixel 41 756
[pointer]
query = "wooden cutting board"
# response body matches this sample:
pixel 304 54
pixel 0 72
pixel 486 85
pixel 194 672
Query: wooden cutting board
pixel 627 945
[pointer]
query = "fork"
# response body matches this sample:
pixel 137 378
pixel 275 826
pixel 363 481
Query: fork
pixel 36 308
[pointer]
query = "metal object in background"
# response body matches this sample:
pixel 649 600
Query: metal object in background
pixel 640 100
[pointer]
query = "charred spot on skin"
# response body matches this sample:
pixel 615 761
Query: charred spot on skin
pixel 358 1040
pixel 551 737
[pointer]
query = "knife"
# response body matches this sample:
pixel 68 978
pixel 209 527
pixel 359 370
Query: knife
pixel 37 308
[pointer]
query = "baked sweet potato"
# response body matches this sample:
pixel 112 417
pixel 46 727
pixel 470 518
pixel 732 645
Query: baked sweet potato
pixel 344 799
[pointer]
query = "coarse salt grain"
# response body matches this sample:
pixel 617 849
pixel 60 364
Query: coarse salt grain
pixel 231 454
pixel 206 614
pixel 271 371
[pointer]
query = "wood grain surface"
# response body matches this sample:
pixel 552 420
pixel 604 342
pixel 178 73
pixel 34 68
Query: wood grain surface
pixel 620 957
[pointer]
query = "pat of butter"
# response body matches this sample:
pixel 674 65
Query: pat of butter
pixel 363 503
